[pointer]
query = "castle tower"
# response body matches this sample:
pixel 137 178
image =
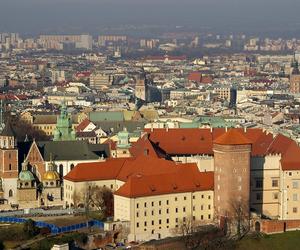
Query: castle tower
pixel 232 173
pixel 27 193
pixel 9 163
pixel 64 130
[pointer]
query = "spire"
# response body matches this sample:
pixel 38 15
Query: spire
pixel 8 130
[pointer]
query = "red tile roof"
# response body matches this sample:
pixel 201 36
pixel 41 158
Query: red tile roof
pixel 123 168
pixel 93 171
pixel 232 137
pixel 188 179
pixel 200 141
pixel 81 126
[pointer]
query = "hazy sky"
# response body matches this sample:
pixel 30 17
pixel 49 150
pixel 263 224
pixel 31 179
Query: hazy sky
pixel 56 16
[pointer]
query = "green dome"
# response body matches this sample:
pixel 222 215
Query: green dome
pixel 26 175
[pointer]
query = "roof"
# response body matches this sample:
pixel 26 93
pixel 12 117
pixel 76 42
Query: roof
pixel 92 171
pixel 8 130
pixel 81 126
pixel 72 150
pixel 232 137
pixel 123 168
pixel 100 116
pixel 200 141
pixel 184 180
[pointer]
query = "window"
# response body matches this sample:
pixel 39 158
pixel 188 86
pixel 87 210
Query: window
pixel 152 203
pixel 184 198
pixel 295 197
pixel 167 211
pixel 295 209
pixel 176 210
pixel 137 224
pixel 176 220
pixel 145 213
pixel 9 166
pixel 183 209
pixel 202 196
pixel 175 198
pixel 183 219
pixel 137 205
pixel 159 211
pixel 209 216
pixel 295 184
pixel 201 217
pixel 194 218
pixel 259 183
pixel 201 207
pixel 274 183
pixel 152 222
pixel 193 208
pixel 152 212
pixel 208 206
pixel 167 202
pixel 10 193
pixel 167 221
pixel 159 222
pixel 159 203
pixel 275 196
pixel 209 197
pixel 193 197
pixel 145 223
pixel 145 204
pixel 258 196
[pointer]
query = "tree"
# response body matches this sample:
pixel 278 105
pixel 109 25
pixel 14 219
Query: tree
pixel 197 235
pixel 30 228
pixel 188 228
pixel 240 218
pixel 1 245
pixel 100 200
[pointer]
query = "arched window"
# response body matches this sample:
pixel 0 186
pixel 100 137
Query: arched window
pixel 10 193
pixel 72 166
pixel 9 166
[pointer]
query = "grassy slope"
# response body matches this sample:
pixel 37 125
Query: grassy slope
pixel 284 241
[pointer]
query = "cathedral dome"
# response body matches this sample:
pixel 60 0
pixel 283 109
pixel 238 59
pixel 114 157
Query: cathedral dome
pixel 51 176
pixel 26 175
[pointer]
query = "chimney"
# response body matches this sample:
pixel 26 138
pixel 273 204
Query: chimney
pixel 211 129
pixel 151 127
pixel 167 128
pixel 226 129
pixel 245 129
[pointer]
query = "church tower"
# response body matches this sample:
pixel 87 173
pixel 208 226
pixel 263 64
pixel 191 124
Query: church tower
pixel 295 78
pixel 27 193
pixel 64 130
pixel 52 193
pixel 123 144
pixel 9 163
pixel 141 88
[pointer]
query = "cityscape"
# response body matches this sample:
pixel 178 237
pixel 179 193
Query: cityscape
pixel 164 132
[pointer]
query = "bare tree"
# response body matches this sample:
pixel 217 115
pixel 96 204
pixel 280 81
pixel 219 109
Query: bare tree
pixel 239 221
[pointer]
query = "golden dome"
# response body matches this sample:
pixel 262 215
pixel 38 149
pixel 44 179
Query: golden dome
pixel 51 176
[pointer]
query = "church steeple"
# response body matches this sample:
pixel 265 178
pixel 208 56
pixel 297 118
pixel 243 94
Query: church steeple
pixel 64 130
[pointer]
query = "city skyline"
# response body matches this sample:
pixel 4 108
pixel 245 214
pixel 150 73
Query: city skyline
pixel 41 17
